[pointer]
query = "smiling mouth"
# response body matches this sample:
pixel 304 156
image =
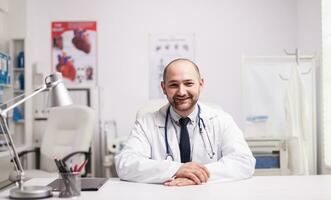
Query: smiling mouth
pixel 182 99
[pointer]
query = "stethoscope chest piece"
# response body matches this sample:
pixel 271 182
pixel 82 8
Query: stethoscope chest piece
pixel 169 157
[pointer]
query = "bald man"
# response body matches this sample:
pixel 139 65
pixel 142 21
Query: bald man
pixel 185 142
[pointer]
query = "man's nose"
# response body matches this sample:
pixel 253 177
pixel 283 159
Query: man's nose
pixel 181 90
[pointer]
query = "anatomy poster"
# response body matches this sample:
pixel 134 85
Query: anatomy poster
pixel 74 51
pixel 164 48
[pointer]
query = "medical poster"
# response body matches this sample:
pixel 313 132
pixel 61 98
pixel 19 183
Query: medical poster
pixel 163 49
pixel 74 51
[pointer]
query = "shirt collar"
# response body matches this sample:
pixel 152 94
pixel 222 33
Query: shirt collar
pixel 193 116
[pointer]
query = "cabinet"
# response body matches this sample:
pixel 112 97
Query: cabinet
pixel 271 156
pixel 17 89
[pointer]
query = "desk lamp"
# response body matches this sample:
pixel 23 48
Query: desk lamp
pixel 59 97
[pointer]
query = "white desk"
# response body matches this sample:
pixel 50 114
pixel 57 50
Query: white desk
pixel 256 188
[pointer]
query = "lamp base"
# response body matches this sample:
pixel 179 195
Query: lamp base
pixel 31 192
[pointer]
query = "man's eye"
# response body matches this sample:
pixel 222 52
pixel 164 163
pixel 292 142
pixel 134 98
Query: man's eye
pixel 189 84
pixel 173 85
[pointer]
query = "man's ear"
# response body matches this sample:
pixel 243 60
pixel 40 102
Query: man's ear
pixel 163 87
pixel 202 83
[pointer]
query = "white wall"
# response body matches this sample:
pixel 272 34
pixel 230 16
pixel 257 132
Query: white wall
pixel 2 35
pixel 3 10
pixel 15 19
pixel 224 31
pixel 309 25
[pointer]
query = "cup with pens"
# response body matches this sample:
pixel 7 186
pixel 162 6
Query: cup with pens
pixel 70 182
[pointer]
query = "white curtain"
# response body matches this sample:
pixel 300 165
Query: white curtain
pixel 297 117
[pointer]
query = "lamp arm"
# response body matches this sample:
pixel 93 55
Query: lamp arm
pixel 13 99
pixel 12 151
pixel 4 126
pixel 41 89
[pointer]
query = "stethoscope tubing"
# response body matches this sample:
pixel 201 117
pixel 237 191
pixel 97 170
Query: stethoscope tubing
pixel 200 120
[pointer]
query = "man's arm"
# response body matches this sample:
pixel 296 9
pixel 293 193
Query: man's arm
pixel 237 161
pixel 134 162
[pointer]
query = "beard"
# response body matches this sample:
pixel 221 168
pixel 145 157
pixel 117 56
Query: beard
pixel 184 104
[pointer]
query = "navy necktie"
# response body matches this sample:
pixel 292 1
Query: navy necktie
pixel 184 143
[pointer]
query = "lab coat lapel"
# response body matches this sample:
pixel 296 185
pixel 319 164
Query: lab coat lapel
pixel 172 138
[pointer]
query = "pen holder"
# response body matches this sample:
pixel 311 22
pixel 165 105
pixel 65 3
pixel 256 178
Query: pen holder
pixel 70 184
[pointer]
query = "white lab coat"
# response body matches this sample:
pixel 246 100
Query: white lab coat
pixel 143 156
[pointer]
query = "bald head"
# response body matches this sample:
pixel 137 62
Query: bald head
pixel 180 61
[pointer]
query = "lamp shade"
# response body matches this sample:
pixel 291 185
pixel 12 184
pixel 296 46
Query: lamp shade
pixel 59 95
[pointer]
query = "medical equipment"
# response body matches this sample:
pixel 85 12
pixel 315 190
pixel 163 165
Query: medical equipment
pixel 113 145
pixel 271 156
pixel 169 155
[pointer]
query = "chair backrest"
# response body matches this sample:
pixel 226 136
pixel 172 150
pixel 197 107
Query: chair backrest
pixel 69 129
pixel 151 106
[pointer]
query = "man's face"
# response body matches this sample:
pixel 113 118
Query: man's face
pixel 182 87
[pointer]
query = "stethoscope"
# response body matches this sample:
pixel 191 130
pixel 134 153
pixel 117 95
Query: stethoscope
pixel 169 155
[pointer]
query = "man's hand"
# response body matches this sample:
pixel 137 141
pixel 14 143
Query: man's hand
pixel 179 182
pixel 196 172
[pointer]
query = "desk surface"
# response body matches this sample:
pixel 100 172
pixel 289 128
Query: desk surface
pixel 256 188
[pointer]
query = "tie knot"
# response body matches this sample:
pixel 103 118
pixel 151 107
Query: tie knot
pixel 184 121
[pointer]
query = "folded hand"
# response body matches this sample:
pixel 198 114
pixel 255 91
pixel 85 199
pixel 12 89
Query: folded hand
pixel 196 172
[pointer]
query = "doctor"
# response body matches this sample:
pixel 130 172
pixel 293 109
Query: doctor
pixel 184 142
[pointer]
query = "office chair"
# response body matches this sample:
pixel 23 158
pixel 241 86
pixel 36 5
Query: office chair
pixel 151 106
pixel 67 136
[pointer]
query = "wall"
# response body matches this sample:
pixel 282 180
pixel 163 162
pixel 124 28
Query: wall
pixel 2 36
pixel 224 31
pixel 15 19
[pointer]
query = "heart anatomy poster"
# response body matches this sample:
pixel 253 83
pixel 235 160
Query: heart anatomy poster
pixel 74 51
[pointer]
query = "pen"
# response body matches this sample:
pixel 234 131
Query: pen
pixel 59 166
pixel 75 168
pixel 82 165
pixel 64 165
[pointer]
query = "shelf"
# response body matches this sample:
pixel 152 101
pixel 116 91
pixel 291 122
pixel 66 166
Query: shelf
pixel 5 85
pixel 17 73
pixel 21 121
pixel 17 91
pixel 16 69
